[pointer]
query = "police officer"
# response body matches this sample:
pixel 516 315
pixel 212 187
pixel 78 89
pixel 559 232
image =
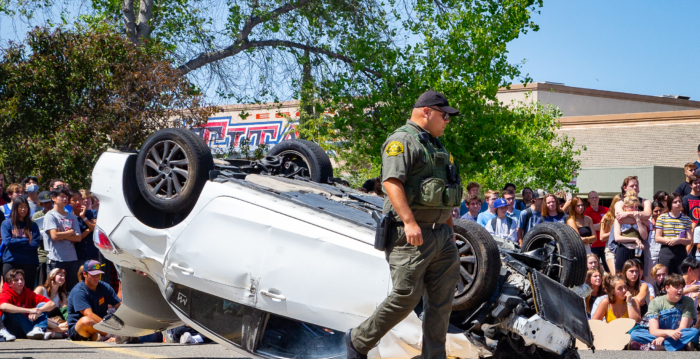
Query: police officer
pixel 422 187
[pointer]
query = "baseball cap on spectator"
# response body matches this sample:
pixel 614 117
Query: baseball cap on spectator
pixel 500 203
pixel 434 98
pixel 44 197
pixel 538 193
pixel 92 267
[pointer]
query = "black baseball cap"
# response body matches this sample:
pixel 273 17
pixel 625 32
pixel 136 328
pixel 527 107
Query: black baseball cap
pixel 434 98
pixel 44 196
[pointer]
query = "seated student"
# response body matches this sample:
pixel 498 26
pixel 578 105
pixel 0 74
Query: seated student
pixel 88 303
pixel 25 312
pixel 619 303
pixel 55 289
pixel 594 279
pixel 659 272
pixel 670 317
pixel 502 226
pixel 691 276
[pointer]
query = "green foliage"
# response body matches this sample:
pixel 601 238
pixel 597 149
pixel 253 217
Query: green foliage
pixel 68 95
pixel 463 55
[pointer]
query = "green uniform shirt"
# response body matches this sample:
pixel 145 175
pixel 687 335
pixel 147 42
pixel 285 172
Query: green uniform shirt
pixel 402 155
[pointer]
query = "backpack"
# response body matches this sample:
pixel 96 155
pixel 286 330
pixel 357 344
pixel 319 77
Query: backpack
pixel 509 223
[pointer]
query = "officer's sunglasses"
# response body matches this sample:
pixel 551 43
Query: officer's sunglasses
pixel 445 115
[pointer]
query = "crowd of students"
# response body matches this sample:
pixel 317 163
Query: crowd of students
pixel 643 254
pixel 52 272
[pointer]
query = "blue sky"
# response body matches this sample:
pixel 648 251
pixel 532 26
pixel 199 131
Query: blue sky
pixel 642 47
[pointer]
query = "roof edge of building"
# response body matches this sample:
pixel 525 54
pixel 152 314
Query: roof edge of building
pixel 547 87
pixel 625 119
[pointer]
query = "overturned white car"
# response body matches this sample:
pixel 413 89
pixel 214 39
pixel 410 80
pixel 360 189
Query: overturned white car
pixel 273 257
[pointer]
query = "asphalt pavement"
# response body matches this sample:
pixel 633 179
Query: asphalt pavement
pixel 25 349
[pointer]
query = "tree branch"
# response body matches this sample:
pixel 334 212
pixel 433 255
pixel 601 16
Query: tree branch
pixel 129 20
pixel 209 57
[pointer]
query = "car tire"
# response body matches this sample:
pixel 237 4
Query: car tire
pixel 568 244
pixel 480 265
pixel 172 184
pixel 305 154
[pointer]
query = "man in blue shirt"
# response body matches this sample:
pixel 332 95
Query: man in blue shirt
pixel 88 303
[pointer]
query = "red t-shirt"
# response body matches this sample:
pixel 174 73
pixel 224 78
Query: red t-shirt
pixel 596 217
pixel 28 299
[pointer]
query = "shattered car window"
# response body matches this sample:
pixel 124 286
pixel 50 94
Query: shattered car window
pixel 223 317
pixel 287 338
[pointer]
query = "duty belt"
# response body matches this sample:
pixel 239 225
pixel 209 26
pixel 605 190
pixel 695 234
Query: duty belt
pixel 420 224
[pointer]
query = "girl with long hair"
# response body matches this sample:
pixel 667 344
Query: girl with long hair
pixel 673 232
pixel 630 238
pixel 55 289
pixel 594 279
pixel 581 223
pixel 20 242
pixel 632 272
pixel 606 225
pixel 619 302
pixel 551 211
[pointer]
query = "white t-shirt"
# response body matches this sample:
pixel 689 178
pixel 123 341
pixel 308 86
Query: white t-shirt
pixel 502 230
pixel 696 240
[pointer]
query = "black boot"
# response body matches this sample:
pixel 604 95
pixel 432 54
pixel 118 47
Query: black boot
pixel 352 352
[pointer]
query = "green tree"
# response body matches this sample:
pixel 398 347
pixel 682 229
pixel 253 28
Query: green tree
pixel 68 95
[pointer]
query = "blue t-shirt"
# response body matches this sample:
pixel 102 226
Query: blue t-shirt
pixel 85 249
pixel 484 217
pixel 528 219
pixel 515 215
pixel 561 218
pixel 19 250
pixel 81 298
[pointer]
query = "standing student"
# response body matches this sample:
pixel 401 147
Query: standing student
pixel 503 226
pixel 597 212
pixel 656 210
pixel 684 188
pixel 631 184
pixel 673 232
pixel 474 205
pixel 606 227
pixel 509 196
pixel 472 189
pixel 527 198
pixel 20 241
pixel 490 197
pixel 581 223
pixel 551 211
pixel 14 190
pixel 85 249
pixel 630 238
pixel 531 216
pixel 46 205
pixel 31 187
pixel 62 231
pixel 691 204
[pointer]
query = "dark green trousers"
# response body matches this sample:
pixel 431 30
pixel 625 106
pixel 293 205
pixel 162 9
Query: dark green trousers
pixel 430 270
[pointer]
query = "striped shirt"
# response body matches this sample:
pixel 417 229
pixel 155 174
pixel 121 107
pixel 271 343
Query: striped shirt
pixel 672 226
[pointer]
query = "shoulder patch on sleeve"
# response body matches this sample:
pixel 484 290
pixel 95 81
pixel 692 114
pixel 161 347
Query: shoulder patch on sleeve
pixel 394 148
